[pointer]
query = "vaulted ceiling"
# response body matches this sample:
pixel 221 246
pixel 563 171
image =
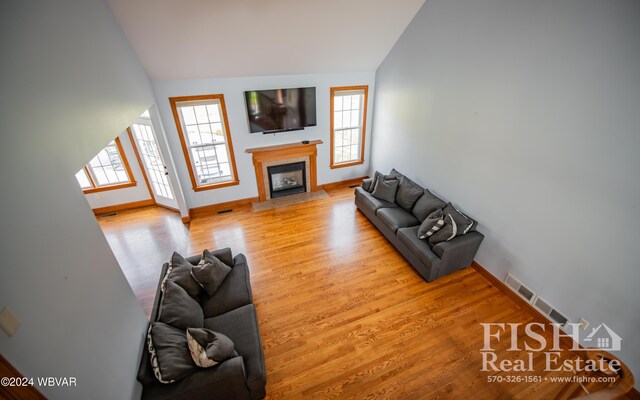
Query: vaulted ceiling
pixel 191 39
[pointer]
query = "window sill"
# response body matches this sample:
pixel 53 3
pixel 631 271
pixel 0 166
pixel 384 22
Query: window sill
pixel 109 187
pixel 347 164
pixel 216 185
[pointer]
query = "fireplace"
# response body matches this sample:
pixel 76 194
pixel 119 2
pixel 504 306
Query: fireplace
pixel 287 179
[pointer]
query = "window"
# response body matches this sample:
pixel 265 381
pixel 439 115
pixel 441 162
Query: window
pixel 206 142
pixel 108 170
pixel 348 124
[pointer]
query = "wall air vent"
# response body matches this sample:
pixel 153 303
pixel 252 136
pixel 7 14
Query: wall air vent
pixel 538 303
pixel 544 307
pixel 519 288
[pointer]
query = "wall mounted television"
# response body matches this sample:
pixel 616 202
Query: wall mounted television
pixel 281 110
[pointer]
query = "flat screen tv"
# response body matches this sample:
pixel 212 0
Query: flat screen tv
pixel 280 110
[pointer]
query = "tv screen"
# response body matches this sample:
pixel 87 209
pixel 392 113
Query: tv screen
pixel 278 110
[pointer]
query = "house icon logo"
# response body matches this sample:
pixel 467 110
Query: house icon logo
pixel 603 338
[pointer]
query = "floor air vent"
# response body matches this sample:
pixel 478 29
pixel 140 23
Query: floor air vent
pixel 354 186
pixel 112 214
pixel 224 211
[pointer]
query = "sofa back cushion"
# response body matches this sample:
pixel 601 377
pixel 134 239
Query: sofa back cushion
pixel 385 190
pixel 426 204
pixel 408 193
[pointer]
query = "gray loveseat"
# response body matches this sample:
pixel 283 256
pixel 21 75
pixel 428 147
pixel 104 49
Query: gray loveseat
pixel 229 311
pixel 399 223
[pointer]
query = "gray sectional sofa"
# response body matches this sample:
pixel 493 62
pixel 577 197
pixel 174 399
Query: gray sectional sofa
pixel 229 311
pixel 400 220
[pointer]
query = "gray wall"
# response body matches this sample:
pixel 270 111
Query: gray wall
pixel 70 83
pixel 526 115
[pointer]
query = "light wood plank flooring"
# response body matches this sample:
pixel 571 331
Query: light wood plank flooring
pixel 341 313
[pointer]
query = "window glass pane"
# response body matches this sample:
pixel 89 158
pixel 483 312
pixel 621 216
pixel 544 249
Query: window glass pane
pixel 355 102
pixel 213 111
pixel 221 152
pixel 354 152
pixel 346 119
pixel 193 134
pixel 346 102
pixel 218 132
pixel 337 120
pixel 100 177
pixel 188 115
pixel 201 114
pixel 83 179
pixel 355 118
pixel 337 103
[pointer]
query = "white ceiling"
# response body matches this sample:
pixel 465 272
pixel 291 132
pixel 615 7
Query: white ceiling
pixel 192 39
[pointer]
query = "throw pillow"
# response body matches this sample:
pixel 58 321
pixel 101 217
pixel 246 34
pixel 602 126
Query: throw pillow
pixel 210 273
pixel 385 190
pixel 367 184
pixel 464 223
pixel 181 274
pixel 447 232
pixel 178 309
pixel 408 193
pixel 426 204
pixel 169 353
pixel 209 348
pixel 431 224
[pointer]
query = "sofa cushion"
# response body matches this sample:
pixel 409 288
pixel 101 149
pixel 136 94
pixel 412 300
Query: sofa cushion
pixel 447 232
pixel 420 248
pixel 464 223
pixel 395 218
pixel 371 203
pixel 181 274
pixel 367 184
pixel 209 348
pixel 431 224
pixel 210 273
pixel 170 357
pixel 178 309
pixel 234 292
pixel 426 204
pixel 408 193
pixel 241 326
pixel 385 190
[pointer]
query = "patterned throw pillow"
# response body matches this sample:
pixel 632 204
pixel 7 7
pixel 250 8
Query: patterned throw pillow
pixel 169 353
pixel 209 348
pixel 432 224
pixel 447 232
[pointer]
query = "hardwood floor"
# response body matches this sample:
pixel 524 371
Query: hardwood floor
pixel 341 313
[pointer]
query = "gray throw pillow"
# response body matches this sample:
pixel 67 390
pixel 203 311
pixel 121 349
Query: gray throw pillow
pixel 367 184
pixel 209 348
pixel 178 309
pixel 426 204
pixel 408 193
pixel 446 233
pixel 432 224
pixel 464 224
pixel 385 190
pixel 210 273
pixel 181 274
pixel 169 353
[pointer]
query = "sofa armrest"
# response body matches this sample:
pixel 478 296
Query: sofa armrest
pixel 458 252
pixel 226 380
pixel 366 184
